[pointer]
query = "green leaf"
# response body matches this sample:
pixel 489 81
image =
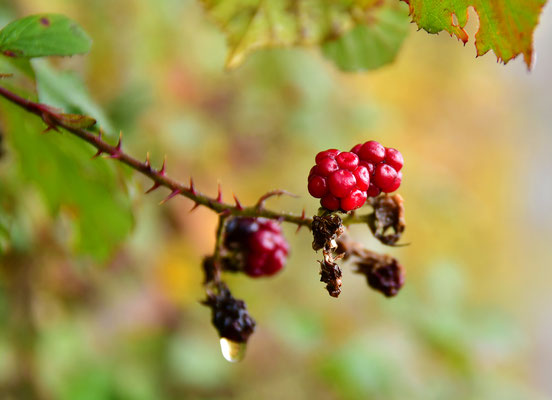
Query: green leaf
pixel 87 192
pixel 17 67
pixel 505 26
pixel 43 35
pixel 372 44
pixel 255 24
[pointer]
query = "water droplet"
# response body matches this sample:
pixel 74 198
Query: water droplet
pixel 232 351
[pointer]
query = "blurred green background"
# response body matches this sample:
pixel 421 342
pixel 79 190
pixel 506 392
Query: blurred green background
pixel 99 285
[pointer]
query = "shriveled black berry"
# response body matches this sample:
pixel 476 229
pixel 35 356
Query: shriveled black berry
pixel 238 230
pixel 230 316
pixel 383 273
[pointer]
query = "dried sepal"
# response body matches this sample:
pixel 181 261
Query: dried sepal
pixel 330 274
pixel 388 215
pixel 383 272
pixel 325 231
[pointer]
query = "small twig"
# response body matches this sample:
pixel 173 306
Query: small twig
pixel 219 236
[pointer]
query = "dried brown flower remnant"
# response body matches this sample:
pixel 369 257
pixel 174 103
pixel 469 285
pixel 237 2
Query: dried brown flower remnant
pixel 330 274
pixel 325 231
pixel 388 214
pixel 383 272
pixel 229 315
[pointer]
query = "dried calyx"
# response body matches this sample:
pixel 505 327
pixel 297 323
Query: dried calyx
pixel 330 274
pixel 325 230
pixel 383 272
pixel 388 215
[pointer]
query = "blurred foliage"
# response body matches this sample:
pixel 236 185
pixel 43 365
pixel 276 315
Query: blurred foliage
pixel 506 28
pixel 43 35
pixel 99 286
pixel 252 25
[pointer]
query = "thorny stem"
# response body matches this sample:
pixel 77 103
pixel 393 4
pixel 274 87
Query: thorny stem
pixel 54 120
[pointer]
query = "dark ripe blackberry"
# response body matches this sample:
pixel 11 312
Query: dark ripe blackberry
pixel 259 243
pixel 238 230
pixel 230 316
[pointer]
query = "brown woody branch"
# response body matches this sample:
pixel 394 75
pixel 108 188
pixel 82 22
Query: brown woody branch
pixel 55 119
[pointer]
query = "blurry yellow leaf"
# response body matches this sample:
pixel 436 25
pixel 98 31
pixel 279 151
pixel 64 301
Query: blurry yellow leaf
pixel 255 24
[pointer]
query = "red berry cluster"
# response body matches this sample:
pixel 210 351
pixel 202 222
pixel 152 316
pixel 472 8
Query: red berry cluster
pixel 343 180
pixel 260 242
pixel 384 164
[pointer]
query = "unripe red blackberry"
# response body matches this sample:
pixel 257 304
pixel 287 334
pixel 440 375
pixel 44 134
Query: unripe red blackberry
pixel 372 152
pixel 384 165
pixel 339 181
pixel 394 158
pixel 385 177
pixel 260 243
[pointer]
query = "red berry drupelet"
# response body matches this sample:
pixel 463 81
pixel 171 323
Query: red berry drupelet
pixel 384 165
pixel 339 181
pixel 260 242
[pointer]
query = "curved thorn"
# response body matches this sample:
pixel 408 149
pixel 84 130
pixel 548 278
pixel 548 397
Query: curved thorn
pixel 266 196
pixel 192 187
pixel 219 195
pixel 98 153
pixel 174 193
pixel 196 205
pixel 238 204
pixel 162 170
pixel 154 186
pixel 147 163
pixel 50 123
pixel 120 142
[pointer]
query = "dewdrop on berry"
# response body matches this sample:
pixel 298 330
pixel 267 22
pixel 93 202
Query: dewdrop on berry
pixel 232 351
